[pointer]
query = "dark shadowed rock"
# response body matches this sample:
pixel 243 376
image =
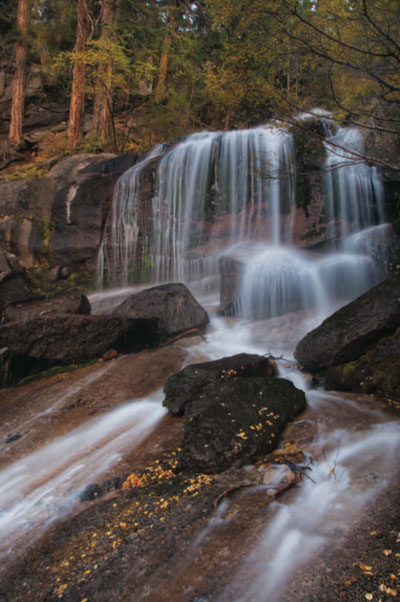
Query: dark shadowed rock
pixel 16 289
pixel 196 379
pixel 44 341
pixel 237 422
pixel 376 371
pixel 72 302
pixel 354 329
pixel 171 306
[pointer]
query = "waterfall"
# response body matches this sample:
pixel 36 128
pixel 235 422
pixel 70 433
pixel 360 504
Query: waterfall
pixel 212 190
pixel 275 283
pixel 353 189
pixel 237 192
pixel 117 260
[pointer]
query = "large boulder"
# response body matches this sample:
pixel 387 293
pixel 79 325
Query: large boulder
pixel 234 411
pixel 358 347
pixel 72 302
pixel 171 306
pixel 44 341
pixel 376 371
pixel 354 329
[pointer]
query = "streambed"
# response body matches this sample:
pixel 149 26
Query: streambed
pixel 246 548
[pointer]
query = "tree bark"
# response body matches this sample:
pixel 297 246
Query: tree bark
pixel 18 94
pixel 102 110
pixel 160 89
pixel 77 102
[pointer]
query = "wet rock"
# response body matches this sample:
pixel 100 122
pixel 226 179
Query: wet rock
pixel 57 221
pixel 16 289
pixel 94 491
pixel 43 341
pixel 237 421
pixel 72 302
pixel 354 329
pixel 197 379
pixel 171 306
pixel 12 438
pixel 377 371
pixel 231 270
pixel 110 354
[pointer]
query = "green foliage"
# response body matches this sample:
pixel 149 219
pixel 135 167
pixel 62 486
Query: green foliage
pixel 225 63
pixel 52 371
pixel 45 229
pixel 28 173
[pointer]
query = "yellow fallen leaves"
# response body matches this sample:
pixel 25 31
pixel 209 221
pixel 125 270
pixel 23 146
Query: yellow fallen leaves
pixel 387 552
pixel 196 483
pixel 60 590
pixel 369 596
pixel 134 480
pixel 241 434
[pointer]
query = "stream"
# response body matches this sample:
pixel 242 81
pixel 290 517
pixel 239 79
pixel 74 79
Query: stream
pixel 351 454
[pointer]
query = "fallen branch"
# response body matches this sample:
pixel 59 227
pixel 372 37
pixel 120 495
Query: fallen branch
pixel 294 477
pixel 231 489
pixel 192 332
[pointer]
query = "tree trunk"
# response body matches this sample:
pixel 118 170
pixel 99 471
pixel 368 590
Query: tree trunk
pixel 18 94
pixel 77 103
pixel 160 89
pixel 102 109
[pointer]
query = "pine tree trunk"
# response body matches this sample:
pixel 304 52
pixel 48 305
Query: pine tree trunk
pixel 77 102
pixel 102 109
pixel 160 89
pixel 18 94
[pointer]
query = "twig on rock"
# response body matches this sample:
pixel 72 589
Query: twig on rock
pixel 192 332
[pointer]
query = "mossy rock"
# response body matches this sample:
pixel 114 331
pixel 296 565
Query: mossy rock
pixel 375 372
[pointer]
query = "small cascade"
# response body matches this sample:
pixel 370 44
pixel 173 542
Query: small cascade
pixel 118 259
pixel 286 280
pixel 353 189
pixel 378 242
pixel 279 280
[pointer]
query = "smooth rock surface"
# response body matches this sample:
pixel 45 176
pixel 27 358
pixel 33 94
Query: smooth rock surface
pixel 72 302
pixel 354 329
pixel 43 341
pixel 171 306
pixel 197 379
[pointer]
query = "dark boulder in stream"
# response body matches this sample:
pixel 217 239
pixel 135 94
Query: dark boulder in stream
pixel 172 306
pixel 234 410
pixel 358 347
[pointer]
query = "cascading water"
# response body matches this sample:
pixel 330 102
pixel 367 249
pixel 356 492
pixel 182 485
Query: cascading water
pixel 124 224
pixel 353 189
pixel 219 193
pixel 212 190
pixel 279 281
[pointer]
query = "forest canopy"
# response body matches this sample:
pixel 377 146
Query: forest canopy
pixel 133 73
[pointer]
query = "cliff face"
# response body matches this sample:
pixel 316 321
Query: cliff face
pixel 53 225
